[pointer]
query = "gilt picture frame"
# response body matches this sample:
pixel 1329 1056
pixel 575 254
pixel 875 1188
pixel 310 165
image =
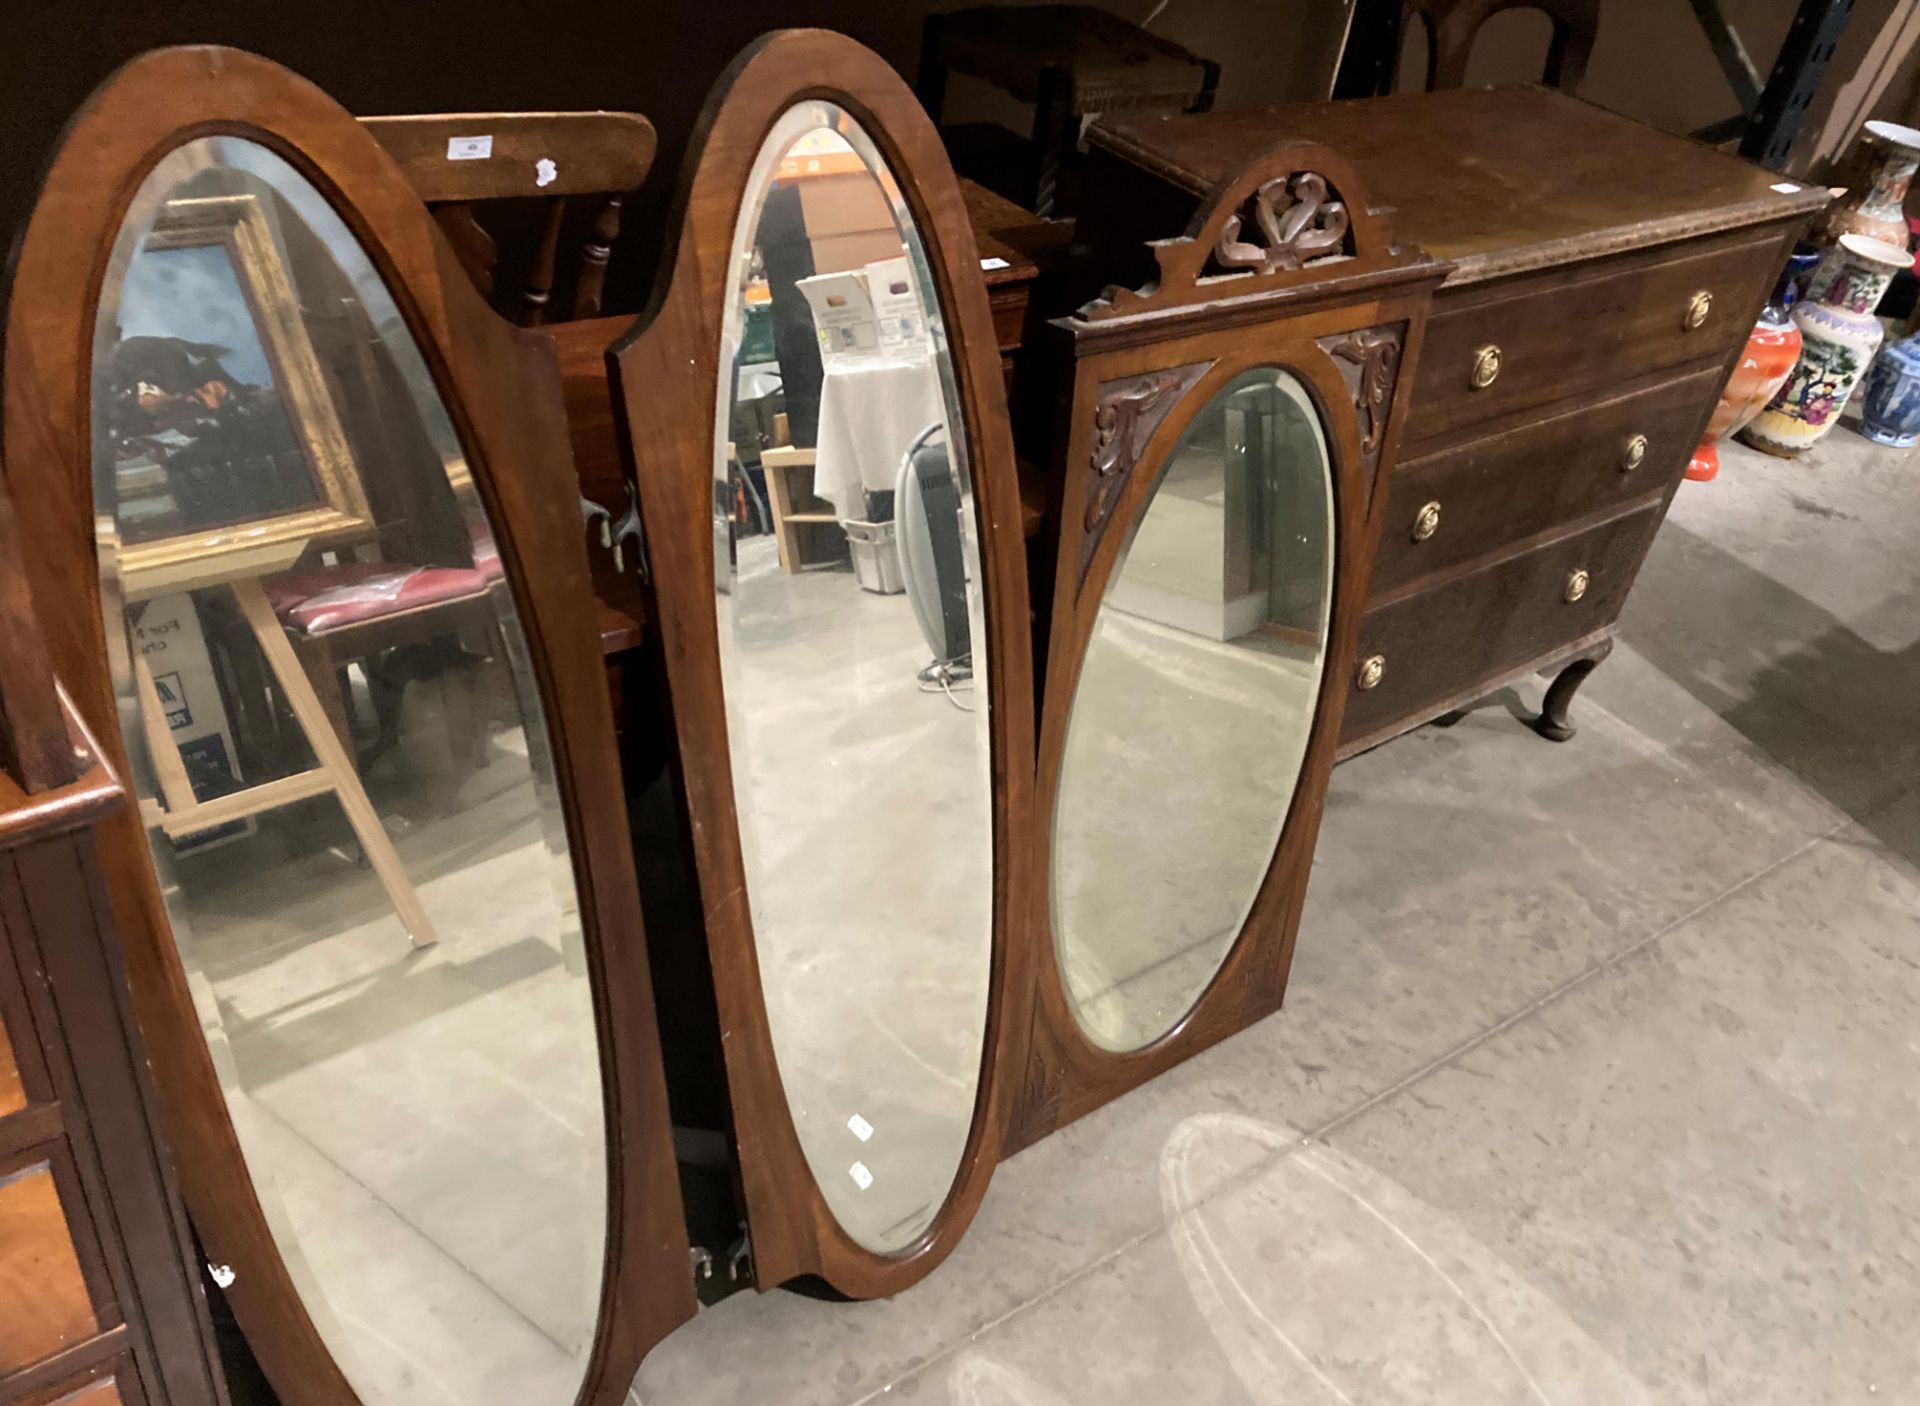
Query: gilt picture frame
pixel 214 362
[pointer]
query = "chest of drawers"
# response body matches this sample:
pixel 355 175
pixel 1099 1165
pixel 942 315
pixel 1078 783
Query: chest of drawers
pixel 98 1298
pixel 1604 277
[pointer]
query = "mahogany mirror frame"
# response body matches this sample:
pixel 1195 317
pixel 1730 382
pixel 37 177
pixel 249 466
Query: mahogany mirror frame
pixel 1169 347
pixel 671 439
pixel 501 390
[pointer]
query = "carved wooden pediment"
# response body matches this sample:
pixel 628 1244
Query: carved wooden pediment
pixel 1295 216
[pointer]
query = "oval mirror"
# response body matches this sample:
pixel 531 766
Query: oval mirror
pixel 1190 719
pixel 849 599
pixel 342 763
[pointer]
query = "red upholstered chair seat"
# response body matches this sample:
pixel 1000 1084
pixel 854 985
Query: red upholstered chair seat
pixel 353 593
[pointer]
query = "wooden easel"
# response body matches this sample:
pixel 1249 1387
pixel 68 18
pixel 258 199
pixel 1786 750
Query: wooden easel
pixel 334 770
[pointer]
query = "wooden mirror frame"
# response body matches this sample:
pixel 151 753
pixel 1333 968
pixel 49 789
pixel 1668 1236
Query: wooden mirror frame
pixel 500 388
pixel 671 439
pixel 1237 292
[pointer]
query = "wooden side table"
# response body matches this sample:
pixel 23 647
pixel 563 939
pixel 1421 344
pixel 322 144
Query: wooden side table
pixel 1069 62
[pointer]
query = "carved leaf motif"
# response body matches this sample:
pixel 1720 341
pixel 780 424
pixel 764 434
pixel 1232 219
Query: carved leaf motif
pixel 1299 217
pixel 1129 410
pixel 1375 353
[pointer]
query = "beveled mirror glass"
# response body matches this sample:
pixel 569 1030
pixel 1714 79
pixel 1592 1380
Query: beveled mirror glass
pixel 1192 711
pixel 341 758
pixel 849 599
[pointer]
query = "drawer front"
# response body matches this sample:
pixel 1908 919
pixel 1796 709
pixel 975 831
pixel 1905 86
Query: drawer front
pixel 1496 351
pixel 45 1305
pixel 1446 509
pixel 1009 307
pixel 1438 642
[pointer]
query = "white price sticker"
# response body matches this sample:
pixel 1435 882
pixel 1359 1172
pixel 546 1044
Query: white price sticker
pixel 1785 187
pixel 862 1178
pixel 991 264
pixel 860 1127
pixel 470 148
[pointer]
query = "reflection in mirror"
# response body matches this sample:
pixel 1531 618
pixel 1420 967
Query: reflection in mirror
pixel 341 758
pixel 849 602
pixel 1191 716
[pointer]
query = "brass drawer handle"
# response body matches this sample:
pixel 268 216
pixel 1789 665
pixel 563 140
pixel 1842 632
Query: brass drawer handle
pixel 1426 522
pixel 1697 309
pixel 1486 366
pixel 1576 586
pixel 1372 671
pixel 1635 454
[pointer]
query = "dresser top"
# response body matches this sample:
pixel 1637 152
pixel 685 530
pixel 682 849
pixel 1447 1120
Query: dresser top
pixel 1495 180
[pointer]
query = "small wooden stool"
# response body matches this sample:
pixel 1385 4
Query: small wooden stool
pixel 1070 62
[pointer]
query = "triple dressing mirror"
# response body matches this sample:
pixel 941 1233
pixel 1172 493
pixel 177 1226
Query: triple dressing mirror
pixel 309 504
pixel 842 604
pixel 313 504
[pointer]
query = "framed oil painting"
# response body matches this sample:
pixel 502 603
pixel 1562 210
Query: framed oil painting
pixel 222 427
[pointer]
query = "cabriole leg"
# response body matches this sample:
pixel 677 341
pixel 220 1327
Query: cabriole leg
pixel 1553 723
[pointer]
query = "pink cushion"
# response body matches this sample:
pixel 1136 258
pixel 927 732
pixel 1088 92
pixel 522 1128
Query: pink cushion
pixel 355 592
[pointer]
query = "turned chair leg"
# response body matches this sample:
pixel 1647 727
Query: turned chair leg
pixel 1553 723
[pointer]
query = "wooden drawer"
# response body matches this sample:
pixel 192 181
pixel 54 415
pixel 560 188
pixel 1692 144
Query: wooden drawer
pixel 1506 487
pixel 1438 642
pixel 45 1304
pixel 1583 330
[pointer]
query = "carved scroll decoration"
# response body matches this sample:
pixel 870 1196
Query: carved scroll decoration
pixel 1374 353
pixel 1296 219
pixel 1369 362
pixel 1127 413
pixel 1299 218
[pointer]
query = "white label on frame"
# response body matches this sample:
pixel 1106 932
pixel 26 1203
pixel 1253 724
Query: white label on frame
pixel 1785 187
pixel 470 148
pixel 545 173
pixel 860 1127
pixel 862 1178
pixel 991 264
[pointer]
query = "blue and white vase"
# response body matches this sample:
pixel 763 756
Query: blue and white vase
pixel 1839 335
pixel 1893 395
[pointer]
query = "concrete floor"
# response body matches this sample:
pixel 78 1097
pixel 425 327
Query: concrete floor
pixel 1597 1080
pixel 391 1102
pixel 865 803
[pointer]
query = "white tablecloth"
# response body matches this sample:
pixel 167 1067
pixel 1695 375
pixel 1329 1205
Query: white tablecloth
pixel 870 414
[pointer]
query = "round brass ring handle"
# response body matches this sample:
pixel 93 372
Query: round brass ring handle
pixel 1697 309
pixel 1426 522
pixel 1486 366
pixel 1576 586
pixel 1372 671
pixel 1635 455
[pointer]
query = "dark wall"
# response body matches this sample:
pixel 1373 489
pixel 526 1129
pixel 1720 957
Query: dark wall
pixel 658 57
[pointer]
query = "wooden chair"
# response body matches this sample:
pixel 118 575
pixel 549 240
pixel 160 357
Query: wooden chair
pixel 457 161
pixel 547 156
pixel 1452 25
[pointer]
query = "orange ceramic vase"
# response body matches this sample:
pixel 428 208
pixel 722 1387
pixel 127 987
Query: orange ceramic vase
pixel 1764 366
